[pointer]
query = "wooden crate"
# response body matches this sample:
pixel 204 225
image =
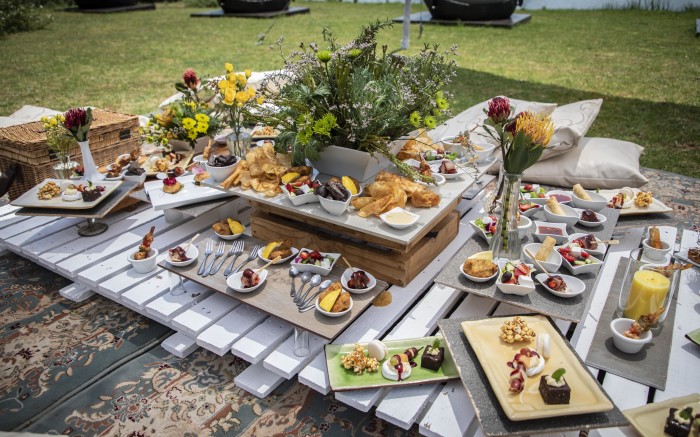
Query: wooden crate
pixel 391 265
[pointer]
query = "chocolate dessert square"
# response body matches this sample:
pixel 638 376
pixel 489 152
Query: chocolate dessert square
pixel 554 395
pixel 675 428
pixel 432 357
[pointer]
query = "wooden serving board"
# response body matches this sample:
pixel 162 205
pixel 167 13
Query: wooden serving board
pixel 273 296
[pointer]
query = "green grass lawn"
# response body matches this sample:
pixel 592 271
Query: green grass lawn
pixel 644 64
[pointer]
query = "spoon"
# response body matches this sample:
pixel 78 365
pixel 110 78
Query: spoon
pixel 325 284
pixel 305 278
pixel 537 262
pixel 346 262
pixel 306 308
pixel 187 246
pixel 315 281
pixel 293 273
pixel 257 272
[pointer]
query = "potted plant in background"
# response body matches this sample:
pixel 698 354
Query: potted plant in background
pixel 60 142
pixel 342 107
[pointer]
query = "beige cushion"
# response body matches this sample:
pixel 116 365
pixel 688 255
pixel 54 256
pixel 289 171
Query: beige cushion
pixel 571 122
pixel 596 163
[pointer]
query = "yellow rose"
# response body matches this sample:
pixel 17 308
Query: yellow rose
pixel 242 80
pixel 251 93
pixel 52 122
pixel 248 72
pixel 242 97
pixel 261 100
pixel 229 96
pixel 223 85
pixel 232 78
pixel 229 67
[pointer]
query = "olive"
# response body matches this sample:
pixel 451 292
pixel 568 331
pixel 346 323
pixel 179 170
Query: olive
pixel 506 277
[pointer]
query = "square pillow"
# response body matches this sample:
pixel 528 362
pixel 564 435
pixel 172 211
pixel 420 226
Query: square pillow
pixel 596 163
pixel 571 122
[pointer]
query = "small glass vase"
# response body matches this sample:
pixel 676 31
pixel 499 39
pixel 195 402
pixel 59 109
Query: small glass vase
pixel 65 167
pixel 238 144
pixel 506 243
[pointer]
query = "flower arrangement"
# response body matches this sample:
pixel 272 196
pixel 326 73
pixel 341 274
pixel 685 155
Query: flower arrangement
pixel 58 139
pixel 77 122
pixel 186 120
pixel 355 96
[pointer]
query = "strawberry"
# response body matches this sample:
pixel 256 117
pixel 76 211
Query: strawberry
pixel 528 187
pixel 289 188
pixel 304 255
pixel 523 269
pixel 541 195
pixel 491 228
pixel 316 255
pixel 584 254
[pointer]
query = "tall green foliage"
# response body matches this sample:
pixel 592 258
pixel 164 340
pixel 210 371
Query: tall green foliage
pixel 22 16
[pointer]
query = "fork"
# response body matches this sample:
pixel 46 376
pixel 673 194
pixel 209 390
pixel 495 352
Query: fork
pixel 219 253
pixel 253 254
pixel 207 251
pixel 236 249
pixel 236 255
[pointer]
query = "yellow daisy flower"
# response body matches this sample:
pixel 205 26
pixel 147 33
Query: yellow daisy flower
pixel 248 72
pixel 229 67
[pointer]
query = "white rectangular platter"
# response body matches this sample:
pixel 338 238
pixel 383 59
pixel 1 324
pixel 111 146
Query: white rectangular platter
pixel 656 207
pixel 30 199
pixel 189 194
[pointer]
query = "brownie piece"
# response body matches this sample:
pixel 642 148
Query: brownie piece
pixel 90 195
pixel 676 428
pixel 554 395
pixel 432 357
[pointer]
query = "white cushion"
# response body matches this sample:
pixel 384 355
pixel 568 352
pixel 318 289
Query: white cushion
pixel 596 163
pixel 571 122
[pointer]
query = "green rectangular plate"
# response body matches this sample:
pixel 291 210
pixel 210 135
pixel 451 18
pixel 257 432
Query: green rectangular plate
pixel 343 380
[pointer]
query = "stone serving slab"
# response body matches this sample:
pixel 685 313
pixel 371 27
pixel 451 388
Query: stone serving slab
pixel 488 410
pixel 540 301
pixel 650 365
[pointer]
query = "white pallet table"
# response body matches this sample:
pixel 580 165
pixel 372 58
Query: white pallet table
pixel 76 292
pixel 179 345
pixel 283 362
pixel 11 219
pixel 24 225
pixel 91 247
pixel 450 414
pixel 7 209
pixel 220 336
pixel 167 306
pixel 258 380
pixel 626 431
pixel 201 316
pixel 17 242
pixel 262 339
pixel 623 392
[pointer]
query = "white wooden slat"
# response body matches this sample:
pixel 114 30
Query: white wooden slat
pixel 220 336
pixel 201 316
pixel 283 362
pixel 179 345
pixel 167 306
pixel 450 414
pixel 30 224
pixel 262 339
pixel 141 292
pixel 625 393
pixel 626 431
pixel 258 380
pixel 20 240
pixel 76 292
pixel 7 209
pixel 11 219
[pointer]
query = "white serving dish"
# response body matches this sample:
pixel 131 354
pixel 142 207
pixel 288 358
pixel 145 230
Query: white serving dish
pixel 574 286
pixel 598 252
pixel 30 200
pixel 228 237
pixel 551 264
pixel 525 284
pixel 144 265
pixel 524 226
pixel 530 212
pixel 561 239
pixel 485 152
pixel 294 250
pixel 221 173
pixel 346 277
pixel 480 231
pixel 653 254
pixel 189 194
pixel 435 167
pixel 570 218
pixel 579 270
pixel 199 159
pixel 476 278
pixel 303 199
pixel 601 219
pixel 318 270
pixel 234 281
pixel 626 344
pixel 326 313
pixel 568 194
pixel 596 203
pixel 139 180
pixel 335 207
pixel 116 178
pixel 192 253
pixel 414 218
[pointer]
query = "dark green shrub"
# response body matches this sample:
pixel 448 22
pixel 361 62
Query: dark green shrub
pixel 202 3
pixel 22 16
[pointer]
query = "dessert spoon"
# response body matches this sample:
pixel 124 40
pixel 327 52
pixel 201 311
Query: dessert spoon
pixel 305 278
pixel 315 281
pixel 293 273
pixel 325 284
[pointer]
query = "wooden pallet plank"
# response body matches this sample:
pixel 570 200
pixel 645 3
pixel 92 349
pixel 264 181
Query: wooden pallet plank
pixel 167 306
pixel 11 219
pixel 7 209
pixel 625 393
pixel 179 345
pixel 76 292
pixel 30 224
pixel 145 286
pixel 258 380
pixel 220 336
pixel 20 240
pixel 283 362
pixel 201 316
pixel 262 339
pixel 450 414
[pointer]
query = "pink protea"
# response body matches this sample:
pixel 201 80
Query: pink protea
pixel 499 109
pixel 190 79
pixel 75 118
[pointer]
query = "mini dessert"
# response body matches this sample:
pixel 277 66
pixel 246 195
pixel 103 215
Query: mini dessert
pixel 529 360
pixel 91 192
pixel 487 224
pixel 377 350
pixel 655 238
pixel 145 246
pixel 516 381
pixel 114 171
pixel 679 422
pixel 249 279
pixel 511 273
pixel 160 165
pixel 643 323
pixel 556 283
pixel 516 330
pixel 587 242
pixel 433 356
pixel 546 249
pixel 554 389
pixel 479 268
pixel 694 254
pixel 178 255
pixel 589 216
pixel 333 190
pixel 575 255
pixel 618 201
pixel 48 191
pixel 133 169
pixel 643 199
pixel 316 258
pixel 358 280
pixel 581 193
pixel 221 160
pixel 554 206
pixel 283 249
pixel 448 167
pixel 334 299
pixel 171 185
pixel 533 190
pixel 71 194
pixel 201 176
pixel 78 172
pixel 359 362
pixel 544 346
pixel 398 367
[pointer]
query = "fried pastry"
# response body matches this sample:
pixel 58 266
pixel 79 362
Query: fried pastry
pixel 581 193
pixel 554 207
pixel 545 249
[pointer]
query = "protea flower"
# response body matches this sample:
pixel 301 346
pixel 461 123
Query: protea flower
pixel 512 126
pixel 77 121
pixel 190 79
pixel 537 128
pixel 499 109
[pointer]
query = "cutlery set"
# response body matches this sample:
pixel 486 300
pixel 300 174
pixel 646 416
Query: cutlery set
pixel 235 251
pixel 305 301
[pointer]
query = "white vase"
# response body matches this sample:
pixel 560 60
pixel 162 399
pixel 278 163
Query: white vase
pixel 91 173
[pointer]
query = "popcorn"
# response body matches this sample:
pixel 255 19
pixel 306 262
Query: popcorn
pixel 359 362
pixel 516 330
pixel 643 199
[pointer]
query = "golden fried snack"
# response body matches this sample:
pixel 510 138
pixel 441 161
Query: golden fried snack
pixel 425 198
pixel 581 193
pixel 361 202
pixel 222 228
pixel 545 249
pixel 162 165
pixel 207 151
pixel 643 199
pixel 480 268
pixel 342 303
pixel 553 205
pixel 655 238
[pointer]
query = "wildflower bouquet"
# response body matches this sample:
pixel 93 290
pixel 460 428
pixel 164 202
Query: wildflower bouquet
pixel 186 120
pixel 355 96
pixel 58 139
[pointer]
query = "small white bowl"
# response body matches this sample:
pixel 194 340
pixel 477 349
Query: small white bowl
pixel 301 199
pixel 314 268
pixel 116 178
pixel 294 250
pixel 234 281
pixel 435 167
pixel 601 219
pixel 560 239
pixel 655 254
pixel 139 180
pixel 560 193
pixel 570 218
pixel 596 203
pixel 385 218
pixel 326 313
pixel 597 252
pixel 579 270
pixel 525 286
pixel 530 212
pixel 551 264
pixel 524 226
pixel 476 278
pixel 480 231
pixel 346 277
pixel 335 207
pixel 221 173
pixel 144 265
pixel 574 286
pixel 485 152
pixel 626 344
pixel 199 159
pixel 228 237
pixel 192 253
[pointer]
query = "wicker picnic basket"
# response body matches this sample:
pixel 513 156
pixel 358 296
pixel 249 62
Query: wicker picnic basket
pixel 111 134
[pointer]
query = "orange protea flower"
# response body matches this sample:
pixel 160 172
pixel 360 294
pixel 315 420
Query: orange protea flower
pixel 537 127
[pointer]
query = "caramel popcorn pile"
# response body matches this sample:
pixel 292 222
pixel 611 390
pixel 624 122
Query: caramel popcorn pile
pixel 48 191
pixel 516 330
pixel 359 362
pixel 643 199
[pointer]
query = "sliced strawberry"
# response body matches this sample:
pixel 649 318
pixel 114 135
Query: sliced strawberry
pixel 585 255
pixel 304 255
pixel 528 187
pixel 541 195
pixel 316 255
